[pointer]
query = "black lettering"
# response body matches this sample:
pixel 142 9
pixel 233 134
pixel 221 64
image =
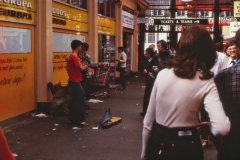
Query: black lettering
pixel 24 15
pixel 29 16
pixel 13 14
pixel 19 15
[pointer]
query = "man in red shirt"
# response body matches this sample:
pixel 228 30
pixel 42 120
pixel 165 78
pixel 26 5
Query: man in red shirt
pixel 75 68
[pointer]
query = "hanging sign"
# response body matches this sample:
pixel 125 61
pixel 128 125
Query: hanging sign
pixel 236 8
pixel 180 21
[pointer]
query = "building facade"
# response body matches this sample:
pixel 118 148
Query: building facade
pixel 35 38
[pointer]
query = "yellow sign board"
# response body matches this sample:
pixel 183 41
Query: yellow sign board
pixel 19 4
pixel 18 10
pixel 236 8
pixel 69 17
pixel 16 84
pixel 106 26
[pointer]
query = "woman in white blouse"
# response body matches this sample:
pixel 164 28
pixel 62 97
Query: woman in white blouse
pixel 179 92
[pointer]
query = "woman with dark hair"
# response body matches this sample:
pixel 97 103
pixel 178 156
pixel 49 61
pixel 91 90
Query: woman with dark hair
pixel 171 122
pixel 150 61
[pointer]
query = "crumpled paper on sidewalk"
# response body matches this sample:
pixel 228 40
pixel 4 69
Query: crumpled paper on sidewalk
pixel 94 100
pixel 41 115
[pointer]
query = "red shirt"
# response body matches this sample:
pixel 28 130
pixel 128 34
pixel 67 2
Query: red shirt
pixel 74 71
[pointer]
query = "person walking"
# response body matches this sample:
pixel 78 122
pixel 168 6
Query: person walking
pixel 170 126
pixel 122 61
pixel 150 61
pixel 227 82
pixel 232 59
pixel 75 68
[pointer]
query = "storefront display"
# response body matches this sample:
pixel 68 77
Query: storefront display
pixel 69 23
pixel 17 53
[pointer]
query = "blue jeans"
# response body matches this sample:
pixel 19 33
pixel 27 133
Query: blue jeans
pixel 122 77
pixel 77 104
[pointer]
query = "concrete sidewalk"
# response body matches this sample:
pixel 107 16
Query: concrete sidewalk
pixel 53 139
pixel 39 138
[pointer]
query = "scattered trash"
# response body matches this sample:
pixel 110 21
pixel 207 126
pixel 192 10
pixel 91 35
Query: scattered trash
pixel 136 76
pixel 41 115
pixel 14 155
pixel 83 146
pixel 76 128
pixel 137 104
pixel 94 100
pixel 95 127
pixel 33 114
pixel 143 87
pixel 56 124
pixel 54 129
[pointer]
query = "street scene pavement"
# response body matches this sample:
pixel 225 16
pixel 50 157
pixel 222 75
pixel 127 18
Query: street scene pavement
pixel 51 138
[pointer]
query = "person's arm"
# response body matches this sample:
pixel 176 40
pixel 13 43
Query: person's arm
pixel 149 120
pixel 124 58
pixel 219 122
pixel 77 63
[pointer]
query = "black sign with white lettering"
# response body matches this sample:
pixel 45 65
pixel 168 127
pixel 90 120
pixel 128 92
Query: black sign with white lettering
pixel 180 21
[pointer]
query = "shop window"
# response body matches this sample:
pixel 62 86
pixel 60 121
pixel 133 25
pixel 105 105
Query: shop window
pixel 77 3
pixel 62 41
pixel 151 38
pixel 106 8
pixel 15 40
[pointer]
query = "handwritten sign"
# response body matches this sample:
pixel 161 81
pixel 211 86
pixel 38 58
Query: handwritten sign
pixel 234 26
pixel 236 8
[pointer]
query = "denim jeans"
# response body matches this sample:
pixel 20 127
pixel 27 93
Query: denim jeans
pixel 77 104
pixel 122 77
pixel 166 144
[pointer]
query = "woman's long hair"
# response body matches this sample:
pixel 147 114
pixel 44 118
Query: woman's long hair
pixel 195 51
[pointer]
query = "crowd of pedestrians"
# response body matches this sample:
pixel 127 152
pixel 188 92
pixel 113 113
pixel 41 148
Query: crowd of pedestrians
pixel 194 92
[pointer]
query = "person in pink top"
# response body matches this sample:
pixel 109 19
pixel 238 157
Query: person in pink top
pixel 170 126
pixel 75 68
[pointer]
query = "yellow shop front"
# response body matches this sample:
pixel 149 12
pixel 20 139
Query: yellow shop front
pixel 69 23
pixel 17 52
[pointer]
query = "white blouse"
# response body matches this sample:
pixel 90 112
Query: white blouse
pixel 176 102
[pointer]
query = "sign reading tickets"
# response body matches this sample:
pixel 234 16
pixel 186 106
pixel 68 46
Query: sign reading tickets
pixel 236 8
pixel 106 26
pixel 68 17
pixel 234 26
pixel 18 10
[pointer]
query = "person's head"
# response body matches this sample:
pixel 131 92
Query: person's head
pixel 161 45
pixel 120 49
pixel 76 44
pixel 149 53
pixel 195 51
pixel 219 47
pixel 85 46
pixel 152 46
pixel 237 37
pixel 232 49
pixel 172 48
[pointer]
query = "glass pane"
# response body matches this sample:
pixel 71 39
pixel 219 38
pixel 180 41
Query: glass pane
pixel 112 10
pixel 101 7
pixel 108 8
pixel 83 4
pixel 15 40
pixel 62 41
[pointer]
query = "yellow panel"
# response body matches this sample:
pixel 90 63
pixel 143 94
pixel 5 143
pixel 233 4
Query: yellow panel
pixel 59 64
pixel 17 80
pixel 20 4
pixel 106 25
pixel 69 17
pixel 20 11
